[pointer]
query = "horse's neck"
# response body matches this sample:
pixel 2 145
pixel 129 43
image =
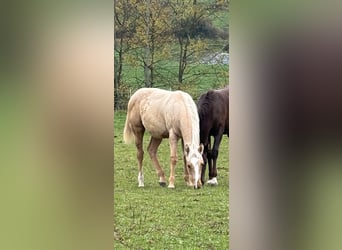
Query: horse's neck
pixel 189 122
pixel 189 135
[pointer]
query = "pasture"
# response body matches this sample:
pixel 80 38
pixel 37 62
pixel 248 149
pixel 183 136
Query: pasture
pixel 154 217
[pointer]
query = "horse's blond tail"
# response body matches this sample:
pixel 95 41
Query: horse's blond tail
pixel 128 136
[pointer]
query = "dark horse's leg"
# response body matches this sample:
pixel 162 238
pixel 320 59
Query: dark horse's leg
pixel 206 155
pixel 214 155
pixel 210 159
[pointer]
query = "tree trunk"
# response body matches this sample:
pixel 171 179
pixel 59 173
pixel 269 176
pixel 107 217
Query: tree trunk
pixel 147 55
pixel 182 57
pixel 118 74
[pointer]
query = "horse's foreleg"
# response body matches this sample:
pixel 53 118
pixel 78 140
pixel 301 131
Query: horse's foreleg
pixel 204 166
pixel 214 153
pixel 186 174
pixel 173 158
pixel 152 150
pixel 210 159
pixel 140 156
pixel 205 158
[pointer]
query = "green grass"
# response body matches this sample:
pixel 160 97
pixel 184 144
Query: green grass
pixel 160 218
pixel 200 78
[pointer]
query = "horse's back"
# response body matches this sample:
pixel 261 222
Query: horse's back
pixel 225 100
pixel 139 96
pixel 224 97
pixel 213 109
pixel 157 110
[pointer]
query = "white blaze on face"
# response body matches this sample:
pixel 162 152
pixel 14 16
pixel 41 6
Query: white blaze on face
pixel 194 159
pixel 194 162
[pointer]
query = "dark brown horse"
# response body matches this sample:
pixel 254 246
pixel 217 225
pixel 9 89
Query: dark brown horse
pixel 213 110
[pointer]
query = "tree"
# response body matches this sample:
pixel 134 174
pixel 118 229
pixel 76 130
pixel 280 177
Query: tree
pixel 157 41
pixel 151 34
pixel 125 22
pixel 190 25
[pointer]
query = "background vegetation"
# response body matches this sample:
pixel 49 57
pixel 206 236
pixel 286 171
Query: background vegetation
pixel 168 44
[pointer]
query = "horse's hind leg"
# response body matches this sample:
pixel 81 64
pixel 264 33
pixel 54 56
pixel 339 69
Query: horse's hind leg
pixel 214 153
pixel 152 150
pixel 140 155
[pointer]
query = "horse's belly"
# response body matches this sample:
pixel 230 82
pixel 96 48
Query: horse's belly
pixel 160 135
pixel 156 129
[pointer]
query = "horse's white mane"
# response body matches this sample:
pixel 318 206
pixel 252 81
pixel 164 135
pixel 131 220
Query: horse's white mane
pixel 194 118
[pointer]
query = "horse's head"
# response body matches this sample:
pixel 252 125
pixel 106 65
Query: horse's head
pixel 194 163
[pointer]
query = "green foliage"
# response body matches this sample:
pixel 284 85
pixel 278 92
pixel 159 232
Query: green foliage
pixel 159 218
pixel 199 78
pixel 161 44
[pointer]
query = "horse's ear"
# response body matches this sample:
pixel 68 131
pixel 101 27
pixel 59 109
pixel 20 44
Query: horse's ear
pixel 201 148
pixel 187 149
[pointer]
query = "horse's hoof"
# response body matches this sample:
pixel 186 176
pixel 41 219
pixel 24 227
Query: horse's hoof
pixel 162 184
pixel 171 186
pixel 212 182
pixel 141 185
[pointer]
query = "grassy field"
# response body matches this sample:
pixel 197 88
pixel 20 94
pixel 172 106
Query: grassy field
pixel 200 77
pixel 159 218
pixel 204 77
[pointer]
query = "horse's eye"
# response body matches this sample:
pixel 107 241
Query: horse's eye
pixel 189 166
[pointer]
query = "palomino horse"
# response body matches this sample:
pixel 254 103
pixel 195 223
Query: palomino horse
pixel 165 114
pixel 213 110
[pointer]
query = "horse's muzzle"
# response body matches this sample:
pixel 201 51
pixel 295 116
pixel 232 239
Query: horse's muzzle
pixel 198 185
